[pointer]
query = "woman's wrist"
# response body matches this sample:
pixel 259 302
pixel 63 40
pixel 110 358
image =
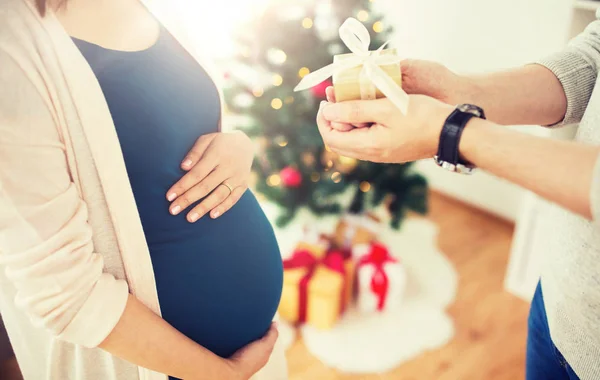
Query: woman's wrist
pixel 230 370
pixel 220 369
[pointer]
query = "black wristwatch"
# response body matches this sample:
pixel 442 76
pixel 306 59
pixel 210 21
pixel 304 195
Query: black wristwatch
pixel 448 156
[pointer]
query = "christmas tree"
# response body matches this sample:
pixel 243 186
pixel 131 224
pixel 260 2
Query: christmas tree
pixel 293 167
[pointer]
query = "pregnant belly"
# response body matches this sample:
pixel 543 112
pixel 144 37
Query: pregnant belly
pixel 220 282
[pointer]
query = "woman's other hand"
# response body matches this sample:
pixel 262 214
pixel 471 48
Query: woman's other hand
pixel 252 358
pixel 218 170
pixel 391 136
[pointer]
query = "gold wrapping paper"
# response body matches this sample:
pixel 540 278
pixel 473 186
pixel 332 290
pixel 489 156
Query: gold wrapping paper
pixel 324 292
pixel 347 86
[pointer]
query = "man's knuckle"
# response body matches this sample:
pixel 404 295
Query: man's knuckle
pixel 386 113
pixel 356 111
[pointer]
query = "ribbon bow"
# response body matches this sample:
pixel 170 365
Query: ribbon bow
pixel 378 256
pixel 334 261
pixel 356 37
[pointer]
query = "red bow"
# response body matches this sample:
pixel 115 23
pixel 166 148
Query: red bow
pixel 378 256
pixel 334 260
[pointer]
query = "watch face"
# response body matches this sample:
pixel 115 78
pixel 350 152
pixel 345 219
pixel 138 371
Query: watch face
pixel 472 109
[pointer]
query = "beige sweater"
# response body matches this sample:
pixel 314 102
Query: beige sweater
pixel 71 242
pixel 570 244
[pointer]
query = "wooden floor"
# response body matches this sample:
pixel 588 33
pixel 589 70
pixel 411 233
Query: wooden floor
pixel 490 323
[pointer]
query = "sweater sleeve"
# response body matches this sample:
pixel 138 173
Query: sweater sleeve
pixel 576 68
pixel 46 244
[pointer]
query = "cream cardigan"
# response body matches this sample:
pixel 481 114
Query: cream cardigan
pixel 71 242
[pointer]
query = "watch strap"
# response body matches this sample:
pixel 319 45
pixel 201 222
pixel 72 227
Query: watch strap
pixel 448 155
pixel 450 137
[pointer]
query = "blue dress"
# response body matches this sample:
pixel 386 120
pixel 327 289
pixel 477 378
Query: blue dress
pixel 219 281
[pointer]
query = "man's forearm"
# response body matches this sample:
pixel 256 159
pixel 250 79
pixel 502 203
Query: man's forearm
pixel 143 338
pixel 528 95
pixel 560 171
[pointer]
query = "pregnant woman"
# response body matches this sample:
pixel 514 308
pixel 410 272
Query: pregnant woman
pixel 121 200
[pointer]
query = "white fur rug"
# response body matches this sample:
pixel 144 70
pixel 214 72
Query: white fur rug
pixel 373 343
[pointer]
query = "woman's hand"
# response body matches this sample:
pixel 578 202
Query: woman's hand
pixel 389 135
pixel 252 358
pixel 218 168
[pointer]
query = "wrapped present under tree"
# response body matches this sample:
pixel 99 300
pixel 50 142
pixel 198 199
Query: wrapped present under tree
pixel 381 278
pixel 317 286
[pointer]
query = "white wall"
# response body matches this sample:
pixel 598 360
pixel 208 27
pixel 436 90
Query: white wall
pixel 474 36
pixel 479 35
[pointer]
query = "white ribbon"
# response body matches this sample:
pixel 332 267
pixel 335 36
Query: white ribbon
pixel 356 37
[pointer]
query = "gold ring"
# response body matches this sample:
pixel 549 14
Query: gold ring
pixel 228 186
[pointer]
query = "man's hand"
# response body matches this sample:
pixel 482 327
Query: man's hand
pixel 436 81
pixel 219 168
pixel 390 136
pixel 428 78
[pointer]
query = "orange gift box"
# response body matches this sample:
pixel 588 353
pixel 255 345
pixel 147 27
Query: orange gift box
pixel 317 286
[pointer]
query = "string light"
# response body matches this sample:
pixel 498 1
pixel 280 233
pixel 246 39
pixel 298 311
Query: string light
pixel 281 141
pixel 289 100
pixel 365 186
pixel 273 180
pixel 303 72
pixel 277 80
pixel 329 164
pixel 308 159
pixel 362 15
pixel 378 27
pixel 307 23
pixel 276 103
pixel 315 177
pixel 258 92
pixel 276 56
pixel 336 177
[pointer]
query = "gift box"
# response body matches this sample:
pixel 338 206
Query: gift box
pixel 353 84
pixel 361 74
pixel 356 229
pixel 381 278
pixel 317 286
